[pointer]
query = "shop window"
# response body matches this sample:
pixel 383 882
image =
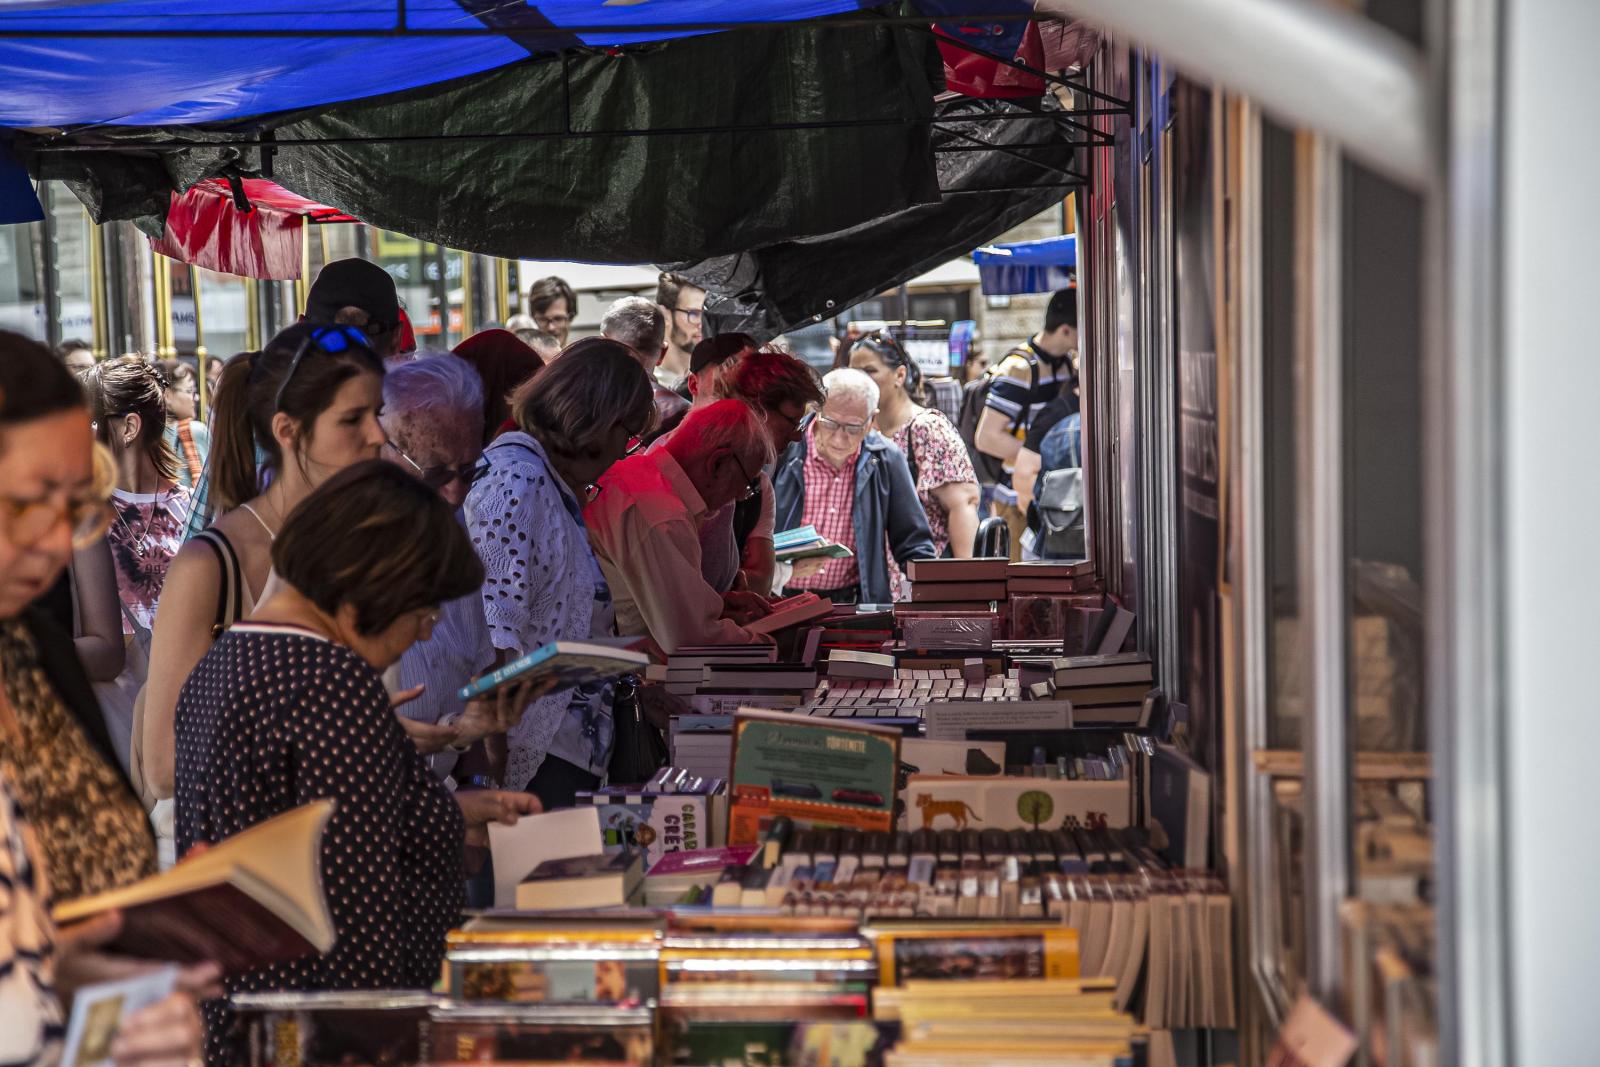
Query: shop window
pixel 72 267
pixel 432 283
pixel 21 283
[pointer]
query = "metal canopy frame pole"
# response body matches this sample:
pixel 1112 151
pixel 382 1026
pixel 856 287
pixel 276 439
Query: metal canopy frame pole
pixel 270 141
pixel 1306 63
pixel 1464 451
pixel 401 28
pixel 1117 106
pixel 1319 401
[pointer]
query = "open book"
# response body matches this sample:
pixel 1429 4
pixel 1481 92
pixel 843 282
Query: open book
pixel 791 611
pixel 804 542
pixel 246 902
pixel 573 662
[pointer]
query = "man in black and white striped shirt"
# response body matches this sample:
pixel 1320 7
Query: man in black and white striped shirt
pixel 1027 379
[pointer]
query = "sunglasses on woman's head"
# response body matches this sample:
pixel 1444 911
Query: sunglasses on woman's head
pixel 332 340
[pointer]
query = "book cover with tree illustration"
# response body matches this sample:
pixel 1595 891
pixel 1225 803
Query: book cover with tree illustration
pixel 950 802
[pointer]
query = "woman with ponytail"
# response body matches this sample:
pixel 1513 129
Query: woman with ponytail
pixel 307 405
pixel 940 467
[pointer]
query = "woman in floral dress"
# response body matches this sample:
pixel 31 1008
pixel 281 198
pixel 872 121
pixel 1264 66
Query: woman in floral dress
pixel 940 466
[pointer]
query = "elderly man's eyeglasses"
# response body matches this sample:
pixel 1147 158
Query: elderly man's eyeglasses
pixel 332 340
pixel 437 478
pixel 752 484
pixel 852 429
pixel 27 522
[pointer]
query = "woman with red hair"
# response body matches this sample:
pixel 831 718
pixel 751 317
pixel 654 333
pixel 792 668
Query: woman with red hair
pixel 504 362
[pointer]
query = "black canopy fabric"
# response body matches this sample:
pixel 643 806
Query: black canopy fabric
pixel 582 158
pixel 792 171
pixel 777 287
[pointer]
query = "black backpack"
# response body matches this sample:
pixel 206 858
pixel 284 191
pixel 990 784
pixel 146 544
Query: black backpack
pixel 974 397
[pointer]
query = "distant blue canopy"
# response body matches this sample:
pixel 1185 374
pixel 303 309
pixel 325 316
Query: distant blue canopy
pixel 1041 266
pixel 174 62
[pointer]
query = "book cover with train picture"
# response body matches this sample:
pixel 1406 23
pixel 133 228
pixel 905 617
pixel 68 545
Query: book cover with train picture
pixel 817 772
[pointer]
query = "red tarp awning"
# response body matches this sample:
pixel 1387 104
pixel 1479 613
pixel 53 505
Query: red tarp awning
pixel 206 229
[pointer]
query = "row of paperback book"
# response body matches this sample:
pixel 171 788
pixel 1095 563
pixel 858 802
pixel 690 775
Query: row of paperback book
pixel 645 988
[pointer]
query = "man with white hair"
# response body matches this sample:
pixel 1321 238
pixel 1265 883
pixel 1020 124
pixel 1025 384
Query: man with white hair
pixel 853 485
pixel 433 415
pixel 642 326
pixel 644 527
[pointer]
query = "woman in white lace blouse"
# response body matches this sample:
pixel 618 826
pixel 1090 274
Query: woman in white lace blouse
pixel 575 419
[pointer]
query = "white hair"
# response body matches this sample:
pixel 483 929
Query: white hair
pixel 637 323
pixel 849 382
pixel 730 424
pixel 438 385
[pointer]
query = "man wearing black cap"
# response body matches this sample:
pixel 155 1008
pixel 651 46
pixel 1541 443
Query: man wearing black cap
pixel 711 359
pixel 354 292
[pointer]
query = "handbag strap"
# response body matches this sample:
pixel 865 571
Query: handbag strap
pixel 230 590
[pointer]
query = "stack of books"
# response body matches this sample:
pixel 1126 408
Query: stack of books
pixel 956 584
pixel 1054 600
pixel 1108 690
pixel 571 986
pixel 388 1026
pixel 1051 578
pixel 702 744
pixel 1009 1020
pixel 689 878
pixel 735 991
pixel 864 666
pixel 685 671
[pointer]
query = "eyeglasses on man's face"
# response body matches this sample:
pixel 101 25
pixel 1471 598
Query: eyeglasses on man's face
pixel 694 315
pixel 849 429
pixel 752 485
pixel 552 323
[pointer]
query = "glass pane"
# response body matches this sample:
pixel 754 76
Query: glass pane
pixel 1390 837
pixel 73 266
pixel 21 298
pixel 185 323
pixel 1286 678
pixel 224 313
pixel 1286 690
pixel 429 279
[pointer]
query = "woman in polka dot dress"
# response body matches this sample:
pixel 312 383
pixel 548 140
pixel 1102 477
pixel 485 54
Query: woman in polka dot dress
pixel 289 707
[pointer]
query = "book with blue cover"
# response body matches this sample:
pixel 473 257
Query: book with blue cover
pixel 800 535
pixel 573 662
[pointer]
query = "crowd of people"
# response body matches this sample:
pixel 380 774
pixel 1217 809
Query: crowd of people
pixel 207 623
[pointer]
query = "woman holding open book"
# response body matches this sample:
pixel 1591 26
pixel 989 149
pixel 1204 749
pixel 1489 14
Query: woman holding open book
pixel 288 706
pixel 88 832
pixel 575 419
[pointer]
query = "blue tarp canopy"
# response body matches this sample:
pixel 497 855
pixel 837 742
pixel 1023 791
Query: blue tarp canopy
pixel 1041 266
pixel 174 62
